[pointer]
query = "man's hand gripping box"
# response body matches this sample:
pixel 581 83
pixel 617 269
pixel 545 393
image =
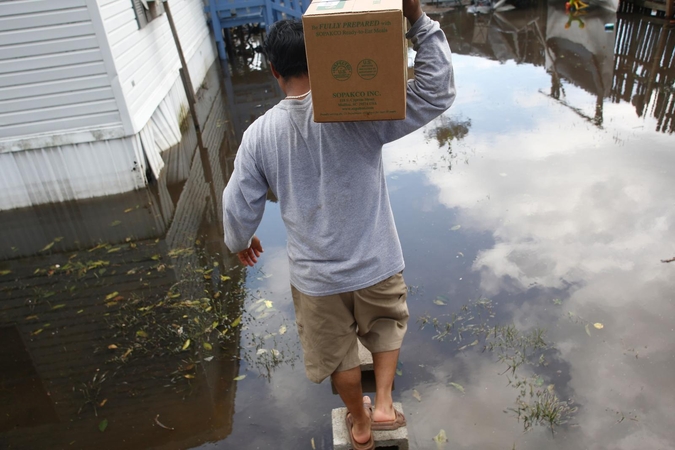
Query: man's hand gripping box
pixel 357 59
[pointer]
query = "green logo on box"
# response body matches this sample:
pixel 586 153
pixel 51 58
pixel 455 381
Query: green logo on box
pixel 341 70
pixel 367 69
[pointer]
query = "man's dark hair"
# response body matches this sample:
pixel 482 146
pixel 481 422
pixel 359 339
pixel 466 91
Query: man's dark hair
pixel 285 48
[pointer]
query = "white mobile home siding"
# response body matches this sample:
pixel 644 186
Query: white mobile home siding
pixel 146 59
pixel 53 77
pixel 88 101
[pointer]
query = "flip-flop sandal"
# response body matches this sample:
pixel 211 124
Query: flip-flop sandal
pixel 370 445
pixel 388 425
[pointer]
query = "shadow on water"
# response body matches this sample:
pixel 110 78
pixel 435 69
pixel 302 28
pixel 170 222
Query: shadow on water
pixel 126 323
pixel 122 314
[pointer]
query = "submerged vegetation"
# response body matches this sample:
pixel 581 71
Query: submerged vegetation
pixel 444 130
pixel 536 403
pixel 163 317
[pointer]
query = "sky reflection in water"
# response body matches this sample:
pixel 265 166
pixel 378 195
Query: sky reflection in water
pixel 562 225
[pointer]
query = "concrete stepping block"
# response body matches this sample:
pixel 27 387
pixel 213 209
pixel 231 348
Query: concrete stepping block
pixel 397 439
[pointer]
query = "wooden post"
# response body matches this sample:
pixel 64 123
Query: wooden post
pixel 190 94
pixel 187 81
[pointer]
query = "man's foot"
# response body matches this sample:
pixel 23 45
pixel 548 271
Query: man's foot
pixel 385 417
pixel 360 432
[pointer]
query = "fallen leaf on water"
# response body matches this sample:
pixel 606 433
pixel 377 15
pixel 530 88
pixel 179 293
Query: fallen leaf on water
pixel 417 395
pixel 160 424
pixel 97 247
pixel 59 306
pixel 282 329
pixel 47 247
pixel 457 386
pixel 102 404
pixel 156 257
pixel 588 330
pixel 439 302
pixel 36 332
pixel 80 311
pixel 399 372
pixel 31 317
pixel 268 303
pixel 115 223
pixel 103 424
pixel 186 345
pixel 112 347
pixel 141 333
pixel 313 446
pixel 598 325
pixel 473 343
pixel 114 249
pixel 112 295
pixel 208 358
pixel 239 378
pixel 207 346
pixel 5 272
pixel 441 437
pixel 460 254
pixel 224 278
pixel 189 376
pixel 128 210
pixel 261 351
pixel 455 228
pixel 236 322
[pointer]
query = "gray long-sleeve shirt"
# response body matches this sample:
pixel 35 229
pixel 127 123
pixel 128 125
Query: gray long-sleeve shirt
pixel 329 179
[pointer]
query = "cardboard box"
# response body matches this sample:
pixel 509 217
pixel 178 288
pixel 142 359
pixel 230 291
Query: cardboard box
pixel 357 59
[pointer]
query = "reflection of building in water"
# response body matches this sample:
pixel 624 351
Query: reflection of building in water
pixel 79 284
pixel 579 50
pixel 512 35
pixel 249 94
pixel 644 72
pixel 635 63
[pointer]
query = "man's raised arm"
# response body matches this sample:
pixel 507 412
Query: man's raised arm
pixel 432 91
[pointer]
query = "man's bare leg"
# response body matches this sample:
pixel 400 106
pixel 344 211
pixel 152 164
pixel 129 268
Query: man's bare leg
pixel 384 364
pixel 348 385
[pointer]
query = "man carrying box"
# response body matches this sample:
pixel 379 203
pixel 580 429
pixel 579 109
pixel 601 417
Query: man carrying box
pixel 344 254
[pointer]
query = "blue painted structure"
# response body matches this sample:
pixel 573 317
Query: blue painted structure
pixel 225 14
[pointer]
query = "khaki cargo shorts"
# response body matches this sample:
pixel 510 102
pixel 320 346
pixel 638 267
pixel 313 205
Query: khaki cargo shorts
pixel 328 325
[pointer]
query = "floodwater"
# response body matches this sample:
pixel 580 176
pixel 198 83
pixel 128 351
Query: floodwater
pixel 534 216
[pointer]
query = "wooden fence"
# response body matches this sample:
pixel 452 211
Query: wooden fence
pixel 644 69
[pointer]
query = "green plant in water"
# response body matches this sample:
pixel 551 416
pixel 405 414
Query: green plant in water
pixel 535 404
pixel 91 391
